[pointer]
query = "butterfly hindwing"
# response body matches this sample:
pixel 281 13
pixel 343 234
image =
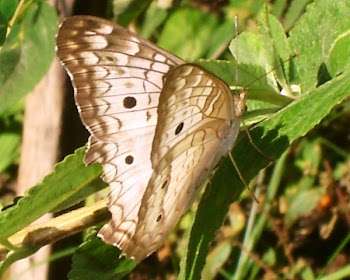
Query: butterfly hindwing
pixel 196 126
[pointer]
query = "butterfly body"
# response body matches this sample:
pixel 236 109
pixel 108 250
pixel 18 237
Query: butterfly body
pixel 158 126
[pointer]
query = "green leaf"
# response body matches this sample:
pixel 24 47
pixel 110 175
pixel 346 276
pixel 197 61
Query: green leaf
pixel 308 161
pixel 96 260
pixel 26 55
pixel 295 9
pixel 9 148
pixel 70 179
pixel 314 36
pixel 127 11
pixel 339 59
pixel 273 136
pixel 216 259
pixel 7 8
pixel 154 17
pixel 283 51
pixel 268 50
pixel 302 204
pixel 249 77
pixel 248 48
pixel 270 54
pixel 271 38
pixel 309 157
pixel 278 7
pixel 222 36
pixel 187 33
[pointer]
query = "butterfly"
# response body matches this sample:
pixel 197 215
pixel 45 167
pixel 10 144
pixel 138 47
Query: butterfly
pixel 158 126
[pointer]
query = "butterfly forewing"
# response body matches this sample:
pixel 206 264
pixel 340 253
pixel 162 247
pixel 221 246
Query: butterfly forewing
pixel 117 77
pixel 197 125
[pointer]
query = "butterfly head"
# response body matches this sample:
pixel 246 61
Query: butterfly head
pixel 240 103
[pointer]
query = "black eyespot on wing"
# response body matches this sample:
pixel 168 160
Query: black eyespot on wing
pixel 179 128
pixel 159 217
pixel 165 184
pixel 129 159
pixel 109 58
pixel 129 102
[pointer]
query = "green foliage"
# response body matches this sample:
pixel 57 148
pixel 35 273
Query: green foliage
pixel 9 147
pixel 315 39
pixel 190 42
pixel 96 260
pixel 69 183
pixel 26 55
pixel 7 8
pixel 265 66
pixel 128 10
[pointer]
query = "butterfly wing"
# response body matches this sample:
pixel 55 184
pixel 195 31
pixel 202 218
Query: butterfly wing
pixel 117 78
pixel 198 122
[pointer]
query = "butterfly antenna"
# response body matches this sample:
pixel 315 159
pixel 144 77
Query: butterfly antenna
pixel 236 64
pixel 241 176
pixel 253 144
pixel 244 126
pixel 274 68
pixel 236 83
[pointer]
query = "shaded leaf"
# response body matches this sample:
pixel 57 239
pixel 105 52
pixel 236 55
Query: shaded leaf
pixel 26 55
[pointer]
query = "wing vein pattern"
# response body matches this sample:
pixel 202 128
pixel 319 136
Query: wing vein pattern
pixel 158 126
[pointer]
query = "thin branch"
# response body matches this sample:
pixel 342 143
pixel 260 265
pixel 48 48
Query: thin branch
pixel 60 227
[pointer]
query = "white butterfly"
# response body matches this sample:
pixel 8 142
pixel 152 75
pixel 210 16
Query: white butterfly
pixel 158 126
